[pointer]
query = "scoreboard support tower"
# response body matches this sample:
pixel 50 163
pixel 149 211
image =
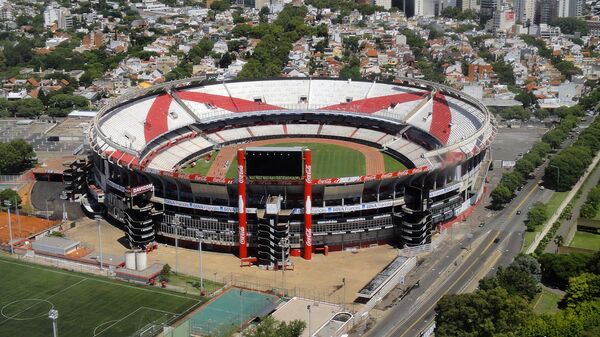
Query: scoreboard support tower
pixel 242 203
pixel 243 224
pixel 307 204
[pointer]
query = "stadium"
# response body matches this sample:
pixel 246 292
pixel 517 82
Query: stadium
pixel 269 168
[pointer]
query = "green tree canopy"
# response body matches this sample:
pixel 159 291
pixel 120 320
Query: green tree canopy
pixel 29 107
pixel 10 195
pixel 571 25
pixel 483 313
pixel 269 327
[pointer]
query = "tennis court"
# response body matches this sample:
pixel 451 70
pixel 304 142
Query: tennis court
pixel 230 310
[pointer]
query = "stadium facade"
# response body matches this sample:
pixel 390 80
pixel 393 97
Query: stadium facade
pixel 142 139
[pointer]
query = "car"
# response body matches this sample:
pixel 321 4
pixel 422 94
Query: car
pixel 496 240
pixel 542 188
pixel 482 224
pixel 518 212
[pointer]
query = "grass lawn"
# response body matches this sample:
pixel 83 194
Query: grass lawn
pixel 328 160
pixel 555 200
pixel 191 284
pixel 546 302
pixel 87 305
pixel 553 203
pixel 391 164
pixel 528 238
pixel 202 165
pixel 586 240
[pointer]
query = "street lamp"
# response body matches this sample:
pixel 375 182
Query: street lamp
pixel 53 315
pixel 309 332
pixel 177 249
pixel 285 242
pixel 200 237
pixel 97 217
pixel 7 203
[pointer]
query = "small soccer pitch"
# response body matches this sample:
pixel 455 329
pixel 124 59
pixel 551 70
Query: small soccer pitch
pixel 87 306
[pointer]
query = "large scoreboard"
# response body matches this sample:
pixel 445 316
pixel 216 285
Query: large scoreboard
pixel 274 162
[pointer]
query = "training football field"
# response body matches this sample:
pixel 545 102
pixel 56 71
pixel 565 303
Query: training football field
pixel 87 306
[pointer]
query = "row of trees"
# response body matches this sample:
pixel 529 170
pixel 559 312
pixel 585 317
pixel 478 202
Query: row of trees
pixel 502 304
pixel 511 181
pixel 592 204
pixel 16 156
pixel 565 168
pixel 56 105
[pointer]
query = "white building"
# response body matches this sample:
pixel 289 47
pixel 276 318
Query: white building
pixel 568 8
pixel 59 15
pixel 525 10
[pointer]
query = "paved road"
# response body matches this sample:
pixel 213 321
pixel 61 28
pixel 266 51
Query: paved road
pixel 415 312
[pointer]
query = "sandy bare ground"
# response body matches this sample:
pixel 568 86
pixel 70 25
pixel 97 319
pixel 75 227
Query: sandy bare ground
pixel 374 159
pixel 320 278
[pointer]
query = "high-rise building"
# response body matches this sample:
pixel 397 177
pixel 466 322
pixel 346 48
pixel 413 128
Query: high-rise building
pixel 487 9
pixel 387 4
pixel 545 11
pixel 467 4
pixel 416 7
pixel 524 11
pixel 596 8
pixel 59 15
pixel 570 8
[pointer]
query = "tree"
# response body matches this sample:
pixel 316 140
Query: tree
pixel 521 277
pixel 7 108
pixel 557 269
pixel 62 104
pixel 554 138
pixel 504 72
pixel 571 163
pixel 200 50
pixel 571 25
pixel 501 195
pixel 15 156
pixel 10 195
pixel 226 60
pixel 269 327
pixel 483 313
pixel 558 241
pixel 567 68
pixel 220 5
pixel 584 287
pixel 526 98
pixel 515 281
pixel 29 107
pixel 528 264
pixel 165 272
pixel 537 216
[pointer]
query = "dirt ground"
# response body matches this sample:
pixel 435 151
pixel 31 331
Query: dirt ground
pixel 22 226
pixel 320 278
pixel 373 158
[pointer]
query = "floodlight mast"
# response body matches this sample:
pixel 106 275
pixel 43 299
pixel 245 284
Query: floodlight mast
pixel 53 315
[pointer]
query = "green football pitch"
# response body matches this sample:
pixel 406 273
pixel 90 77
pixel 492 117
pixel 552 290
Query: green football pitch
pixel 87 306
pixel 328 161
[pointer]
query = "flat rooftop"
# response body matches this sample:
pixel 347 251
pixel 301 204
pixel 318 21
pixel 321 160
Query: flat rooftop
pixel 297 309
pixel 376 283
